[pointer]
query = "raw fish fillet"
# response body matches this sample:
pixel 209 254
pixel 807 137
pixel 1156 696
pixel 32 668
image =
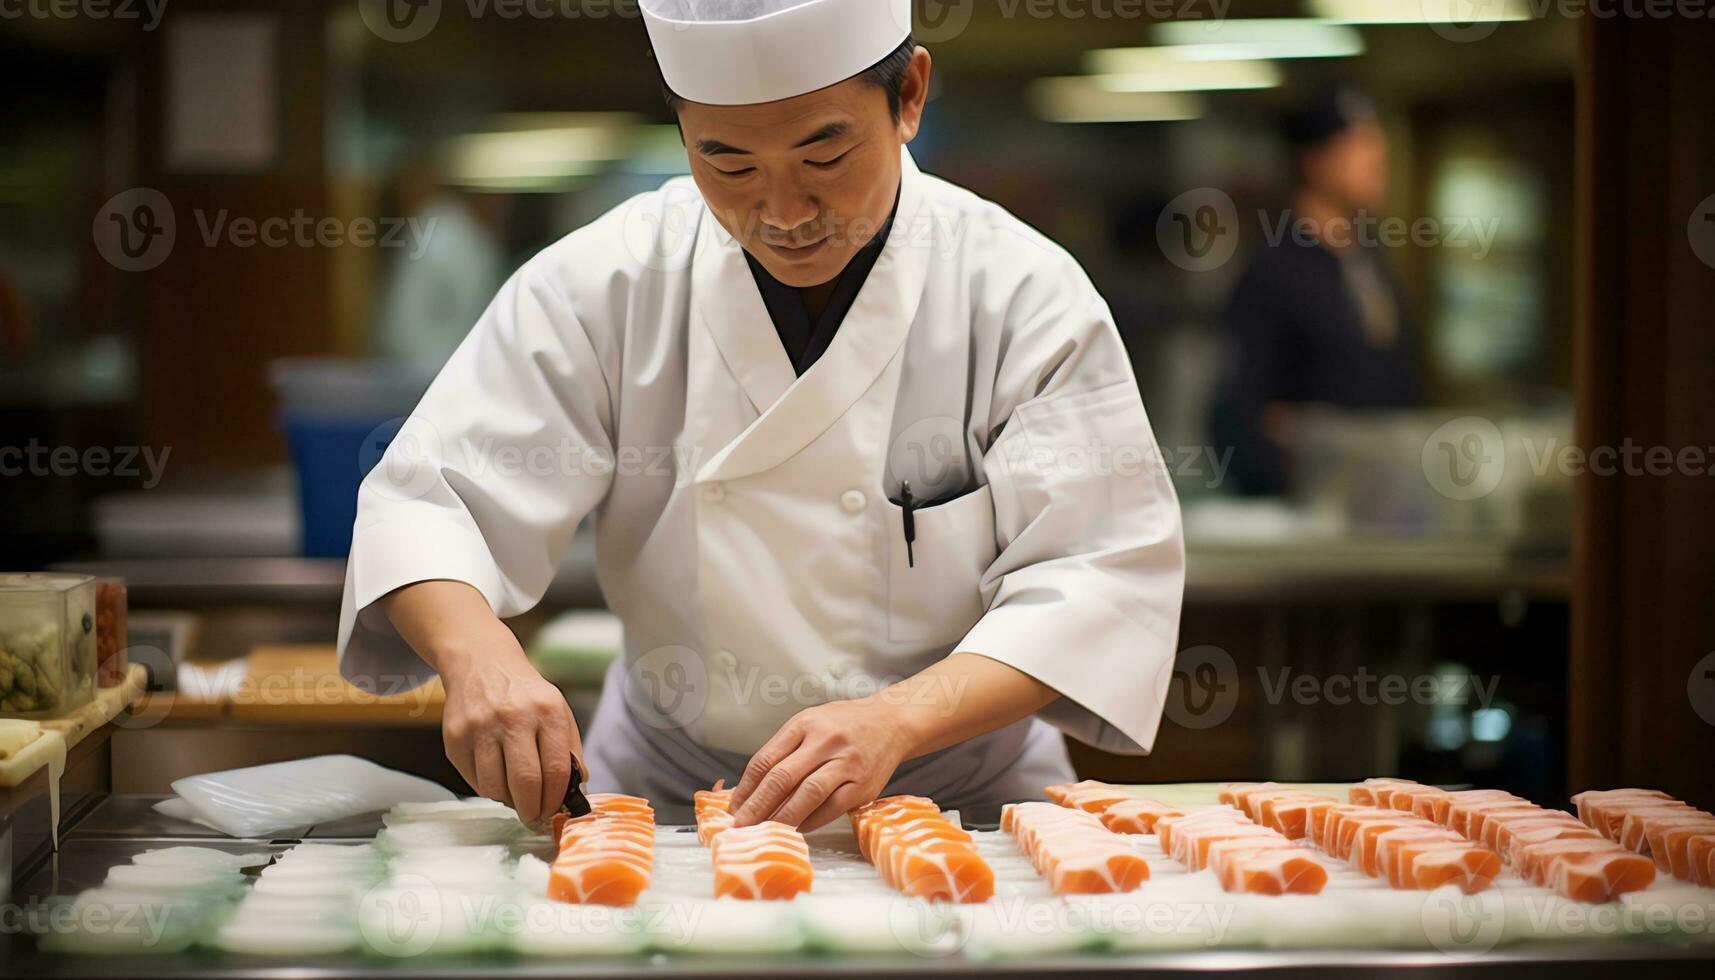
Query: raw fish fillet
pixel 1074 851
pixel 921 853
pixel 1678 838
pixel 1090 795
pixel 606 856
pixel 765 861
pixel 1244 855
pixel 1136 816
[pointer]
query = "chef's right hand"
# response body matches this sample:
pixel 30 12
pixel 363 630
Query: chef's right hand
pixel 508 731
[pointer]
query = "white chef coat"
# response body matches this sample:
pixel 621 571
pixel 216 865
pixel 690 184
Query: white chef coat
pixel 747 528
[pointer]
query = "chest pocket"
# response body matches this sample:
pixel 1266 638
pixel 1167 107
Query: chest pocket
pixel 933 595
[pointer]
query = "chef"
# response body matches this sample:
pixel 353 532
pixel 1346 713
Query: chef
pixel 872 485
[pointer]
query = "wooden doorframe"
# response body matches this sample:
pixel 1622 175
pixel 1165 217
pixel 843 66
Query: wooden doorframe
pixel 1643 614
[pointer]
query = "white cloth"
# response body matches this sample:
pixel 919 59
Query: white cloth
pixel 745 52
pixel 745 533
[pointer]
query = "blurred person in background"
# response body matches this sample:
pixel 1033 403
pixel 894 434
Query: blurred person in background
pixel 1317 317
pixel 440 283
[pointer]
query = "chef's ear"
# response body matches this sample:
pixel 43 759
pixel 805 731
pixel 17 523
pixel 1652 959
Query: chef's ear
pixel 913 93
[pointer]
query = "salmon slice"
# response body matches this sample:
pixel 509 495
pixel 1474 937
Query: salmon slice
pixel 1238 795
pixel 1396 850
pixel 1074 851
pixel 1599 877
pixel 921 853
pixel 948 871
pixel 1584 869
pixel 1277 871
pixel 874 829
pixel 1470 867
pixel 599 881
pixel 1434 807
pixel 606 856
pixel 764 862
pixel 1293 815
pixel 1340 818
pixel 1136 816
pixel 1474 818
pixel 1636 827
pixel 1504 835
pixel 1090 795
pixel 1375 792
pixel 1109 870
pixel 1701 857
pixel 1595 806
pixel 1167 828
pixel 867 818
pixel 1674 834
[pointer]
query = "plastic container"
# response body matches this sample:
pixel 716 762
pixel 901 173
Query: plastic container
pixel 338 418
pixel 47 644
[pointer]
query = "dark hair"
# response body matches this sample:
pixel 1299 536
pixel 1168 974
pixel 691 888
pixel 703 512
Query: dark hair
pixel 888 74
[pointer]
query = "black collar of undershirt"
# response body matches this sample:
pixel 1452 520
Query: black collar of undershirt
pixel 804 341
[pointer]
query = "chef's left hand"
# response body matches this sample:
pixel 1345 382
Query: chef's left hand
pixel 825 761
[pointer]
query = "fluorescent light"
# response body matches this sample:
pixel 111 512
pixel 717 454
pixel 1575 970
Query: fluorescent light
pixel 1077 99
pixel 1156 70
pixel 1253 40
pixel 535 151
pixel 1420 11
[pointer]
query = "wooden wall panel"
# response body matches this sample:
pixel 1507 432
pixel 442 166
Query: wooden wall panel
pixel 1644 605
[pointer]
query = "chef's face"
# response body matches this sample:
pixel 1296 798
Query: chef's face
pixel 805 183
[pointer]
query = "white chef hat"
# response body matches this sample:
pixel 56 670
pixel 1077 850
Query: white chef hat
pixel 744 52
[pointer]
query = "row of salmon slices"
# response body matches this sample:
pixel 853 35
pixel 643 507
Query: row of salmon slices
pixel 1073 850
pixel 606 856
pixel 1404 850
pixel 1246 854
pixel 921 853
pixel 1550 848
pixel 764 861
pixel 1679 837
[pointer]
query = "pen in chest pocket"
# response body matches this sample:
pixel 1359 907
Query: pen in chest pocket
pixel 907 504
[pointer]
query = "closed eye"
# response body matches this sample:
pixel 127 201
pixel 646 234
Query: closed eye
pixel 828 164
pixel 735 173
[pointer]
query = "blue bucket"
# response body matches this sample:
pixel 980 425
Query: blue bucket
pixel 338 418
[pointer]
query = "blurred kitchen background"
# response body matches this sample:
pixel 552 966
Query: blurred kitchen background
pixel 258 380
